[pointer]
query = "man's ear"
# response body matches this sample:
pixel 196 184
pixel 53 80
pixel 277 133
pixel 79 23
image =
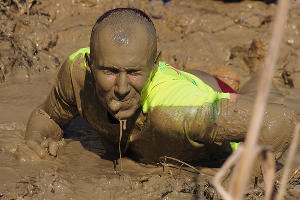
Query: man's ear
pixel 157 57
pixel 88 61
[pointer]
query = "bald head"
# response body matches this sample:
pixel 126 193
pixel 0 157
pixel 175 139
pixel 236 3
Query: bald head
pixel 124 26
pixel 122 56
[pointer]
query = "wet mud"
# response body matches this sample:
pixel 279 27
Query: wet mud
pixel 228 40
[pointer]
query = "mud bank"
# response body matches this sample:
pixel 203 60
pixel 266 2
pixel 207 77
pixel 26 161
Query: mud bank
pixel 228 40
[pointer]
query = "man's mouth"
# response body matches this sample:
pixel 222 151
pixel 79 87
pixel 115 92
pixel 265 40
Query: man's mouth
pixel 115 105
pixel 120 109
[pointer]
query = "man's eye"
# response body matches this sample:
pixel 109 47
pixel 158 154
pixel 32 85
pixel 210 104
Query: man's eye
pixel 109 71
pixel 105 71
pixel 133 72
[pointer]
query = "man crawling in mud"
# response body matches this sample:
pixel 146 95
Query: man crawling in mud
pixel 118 85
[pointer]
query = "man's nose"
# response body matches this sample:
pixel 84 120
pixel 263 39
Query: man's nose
pixel 122 88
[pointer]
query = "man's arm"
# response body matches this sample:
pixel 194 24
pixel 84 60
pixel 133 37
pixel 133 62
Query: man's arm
pixel 46 121
pixel 227 120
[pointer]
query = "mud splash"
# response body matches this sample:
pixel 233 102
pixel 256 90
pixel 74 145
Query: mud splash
pixel 192 34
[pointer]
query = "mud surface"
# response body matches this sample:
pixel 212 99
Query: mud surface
pixel 225 39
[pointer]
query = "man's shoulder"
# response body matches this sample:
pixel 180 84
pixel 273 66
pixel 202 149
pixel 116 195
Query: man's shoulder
pixel 169 87
pixel 80 56
pixel 77 66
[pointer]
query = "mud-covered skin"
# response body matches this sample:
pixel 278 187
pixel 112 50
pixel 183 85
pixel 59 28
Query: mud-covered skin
pixel 120 72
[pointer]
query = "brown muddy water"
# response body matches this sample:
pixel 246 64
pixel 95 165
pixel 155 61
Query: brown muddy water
pixel 225 39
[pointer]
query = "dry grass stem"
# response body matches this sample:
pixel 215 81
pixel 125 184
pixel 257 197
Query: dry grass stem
pixel 182 162
pixel 290 157
pixel 268 171
pixel 221 173
pixel 23 7
pixel 269 167
pixel 294 174
pixel 243 169
pixel 245 165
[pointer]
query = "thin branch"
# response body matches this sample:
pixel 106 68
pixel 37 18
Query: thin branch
pixel 246 162
pixel 294 174
pixel 221 173
pixel 290 157
pixel 268 173
pixel 184 163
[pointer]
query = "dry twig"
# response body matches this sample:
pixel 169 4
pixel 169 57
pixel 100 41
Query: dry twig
pixel 294 174
pixel 269 173
pixel 182 162
pixel 245 164
pixel 291 155
pixel 221 173
pixel 269 170
pixel 243 169
pixel 22 7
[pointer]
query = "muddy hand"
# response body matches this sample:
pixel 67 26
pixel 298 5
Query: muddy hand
pixel 52 146
pixel 33 151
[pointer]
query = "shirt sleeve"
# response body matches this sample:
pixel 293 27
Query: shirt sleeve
pixel 61 104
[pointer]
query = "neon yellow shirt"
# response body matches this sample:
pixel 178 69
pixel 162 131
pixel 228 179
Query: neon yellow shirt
pixel 168 86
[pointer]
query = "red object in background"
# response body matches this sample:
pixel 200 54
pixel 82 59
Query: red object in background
pixel 224 87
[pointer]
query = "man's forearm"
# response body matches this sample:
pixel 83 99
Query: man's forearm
pixel 233 118
pixel 224 120
pixel 40 126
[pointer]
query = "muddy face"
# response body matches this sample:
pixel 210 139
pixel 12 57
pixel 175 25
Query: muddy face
pixel 121 65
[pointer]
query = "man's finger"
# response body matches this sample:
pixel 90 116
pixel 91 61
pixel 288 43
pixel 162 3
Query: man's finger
pixel 53 147
pixel 45 143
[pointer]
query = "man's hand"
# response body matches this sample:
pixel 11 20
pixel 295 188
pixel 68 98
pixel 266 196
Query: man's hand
pixel 43 137
pixel 51 146
pixel 34 150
